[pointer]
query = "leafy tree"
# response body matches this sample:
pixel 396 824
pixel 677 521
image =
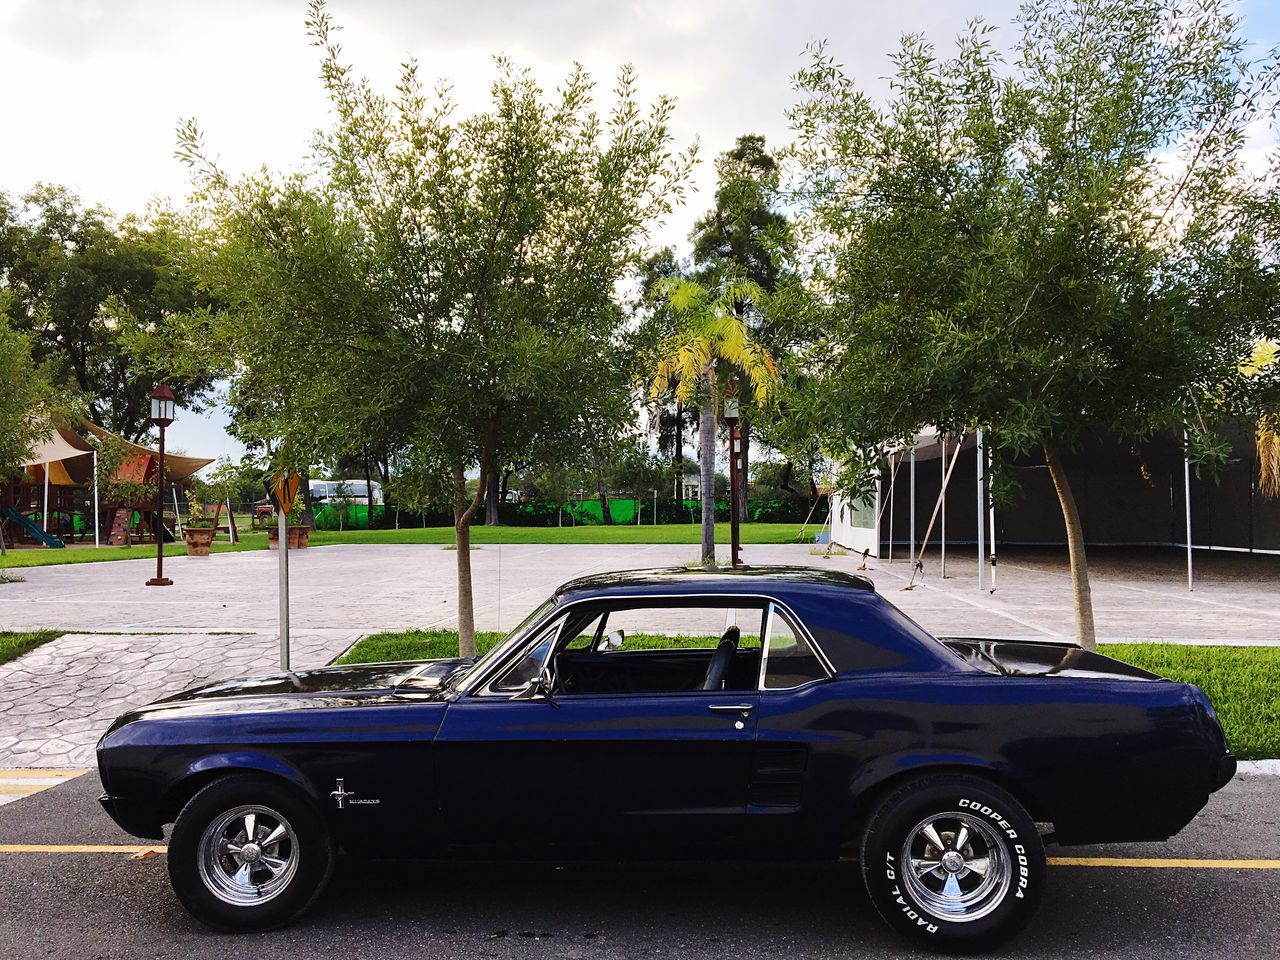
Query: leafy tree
pixel 443 284
pixel 90 292
pixel 1063 245
pixel 27 401
pixel 709 347
pixel 745 235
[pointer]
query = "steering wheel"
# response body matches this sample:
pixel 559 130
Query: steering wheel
pixel 721 660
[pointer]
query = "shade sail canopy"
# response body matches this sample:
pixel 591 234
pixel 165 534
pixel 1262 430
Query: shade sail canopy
pixel 177 467
pixel 68 455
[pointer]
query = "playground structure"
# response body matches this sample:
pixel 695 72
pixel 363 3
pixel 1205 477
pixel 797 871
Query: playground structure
pixel 57 500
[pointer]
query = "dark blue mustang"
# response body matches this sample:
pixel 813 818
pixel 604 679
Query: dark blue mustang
pixel 780 712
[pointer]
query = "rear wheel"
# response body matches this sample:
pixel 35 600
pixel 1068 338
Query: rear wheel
pixel 954 863
pixel 248 853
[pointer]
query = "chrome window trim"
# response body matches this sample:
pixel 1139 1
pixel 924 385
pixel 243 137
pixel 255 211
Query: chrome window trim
pixel 504 657
pixel 507 694
pixel 796 625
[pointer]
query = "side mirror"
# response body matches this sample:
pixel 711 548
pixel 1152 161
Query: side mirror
pixel 614 640
pixel 544 686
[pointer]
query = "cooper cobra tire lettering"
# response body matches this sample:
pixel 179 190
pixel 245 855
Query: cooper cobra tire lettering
pixel 893 821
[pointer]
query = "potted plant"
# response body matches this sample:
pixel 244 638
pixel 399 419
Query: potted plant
pixel 298 533
pixel 199 529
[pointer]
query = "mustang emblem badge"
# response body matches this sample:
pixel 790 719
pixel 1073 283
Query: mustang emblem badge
pixel 341 794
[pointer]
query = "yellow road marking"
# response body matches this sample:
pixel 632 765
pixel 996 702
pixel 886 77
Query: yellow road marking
pixel 81 848
pixel 21 790
pixel 1167 863
pixel 40 773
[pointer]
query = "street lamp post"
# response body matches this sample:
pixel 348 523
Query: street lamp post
pixel 161 416
pixel 735 451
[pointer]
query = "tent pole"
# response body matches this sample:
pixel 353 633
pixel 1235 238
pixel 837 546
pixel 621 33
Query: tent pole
pixel 943 540
pixel 893 475
pixel 982 514
pixel 991 539
pixel 231 521
pixel 912 525
pixel 97 510
pixel 1186 496
pixel 177 516
pixel 44 514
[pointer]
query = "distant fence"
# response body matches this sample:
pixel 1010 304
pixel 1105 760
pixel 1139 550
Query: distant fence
pixel 545 513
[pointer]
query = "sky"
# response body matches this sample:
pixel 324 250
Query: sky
pixel 93 90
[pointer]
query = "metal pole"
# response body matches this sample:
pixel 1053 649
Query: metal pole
pixel 982 513
pixel 97 510
pixel 44 514
pixel 991 539
pixel 734 445
pixel 282 527
pixel 231 523
pixel 655 508
pixel 177 516
pixel 160 580
pixel 943 461
pixel 1186 495
pixel 892 477
pixel 912 525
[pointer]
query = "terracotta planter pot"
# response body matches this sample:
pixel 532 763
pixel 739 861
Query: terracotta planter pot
pixel 198 540
pixel 299 537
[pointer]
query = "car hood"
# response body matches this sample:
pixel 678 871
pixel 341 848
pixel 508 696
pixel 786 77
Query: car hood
pixel 1011 658
pixel 352 685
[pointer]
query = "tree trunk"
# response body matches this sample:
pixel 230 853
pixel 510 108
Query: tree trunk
pixel 606 517
pixel 1086 636
pixel 368 494
pixel 308 514
pixel 463 513
pixel 679 435
pixel 491 517
pixel 707 485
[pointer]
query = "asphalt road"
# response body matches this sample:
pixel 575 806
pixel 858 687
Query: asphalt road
pixel 86 906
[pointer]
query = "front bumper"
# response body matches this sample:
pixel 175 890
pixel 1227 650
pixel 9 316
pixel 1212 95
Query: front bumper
pixel 131 818
pixel 1226 770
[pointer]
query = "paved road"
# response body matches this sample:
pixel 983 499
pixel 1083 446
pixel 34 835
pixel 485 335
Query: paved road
pixel 108 906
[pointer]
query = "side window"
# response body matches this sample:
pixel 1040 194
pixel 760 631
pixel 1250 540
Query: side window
pixel 789 660
pixel 527 667
pixel 686 628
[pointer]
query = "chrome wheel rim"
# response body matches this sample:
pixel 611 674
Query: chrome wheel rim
pixel 248 855
pixel 956 867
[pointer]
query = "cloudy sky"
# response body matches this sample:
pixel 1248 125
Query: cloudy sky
pixel 93 89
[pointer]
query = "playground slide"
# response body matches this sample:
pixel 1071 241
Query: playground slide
pixel 48 539
pixel 157 526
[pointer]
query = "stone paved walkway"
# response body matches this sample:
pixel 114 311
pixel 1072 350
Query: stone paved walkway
pixel 218 620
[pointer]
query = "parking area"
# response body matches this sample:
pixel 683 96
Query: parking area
pixel 107 904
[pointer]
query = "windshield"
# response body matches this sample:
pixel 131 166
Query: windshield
pixel 495 651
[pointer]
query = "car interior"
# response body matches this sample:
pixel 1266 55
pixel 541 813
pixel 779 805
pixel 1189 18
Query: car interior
pixel 644 649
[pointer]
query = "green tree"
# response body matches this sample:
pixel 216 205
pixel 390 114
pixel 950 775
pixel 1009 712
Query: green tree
pixel 91 292
pixel 445 282
pixel 1064 245
pixel 708 349
pixel 27 400
pixel 745 235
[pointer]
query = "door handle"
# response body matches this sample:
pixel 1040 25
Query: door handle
pixel 742 708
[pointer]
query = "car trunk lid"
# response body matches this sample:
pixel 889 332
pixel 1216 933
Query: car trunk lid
pixel 1017 658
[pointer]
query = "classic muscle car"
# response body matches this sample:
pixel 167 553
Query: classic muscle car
pixel 762 713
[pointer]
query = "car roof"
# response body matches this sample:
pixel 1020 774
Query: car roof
pixel 693 581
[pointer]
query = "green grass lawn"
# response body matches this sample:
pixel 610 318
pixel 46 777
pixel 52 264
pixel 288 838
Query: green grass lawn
pixel 1242 682
pixel 443 536
pixel 15 644
pixel 45 557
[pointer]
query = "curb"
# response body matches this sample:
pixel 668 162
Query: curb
pixel 1258 768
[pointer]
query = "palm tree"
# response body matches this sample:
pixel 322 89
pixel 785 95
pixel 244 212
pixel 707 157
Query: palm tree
pixel 711 342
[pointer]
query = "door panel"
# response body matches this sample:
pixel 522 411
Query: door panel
pixel 610 775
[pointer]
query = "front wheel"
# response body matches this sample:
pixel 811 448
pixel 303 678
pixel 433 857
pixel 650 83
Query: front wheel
pixel 954 863
pixel 249 853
